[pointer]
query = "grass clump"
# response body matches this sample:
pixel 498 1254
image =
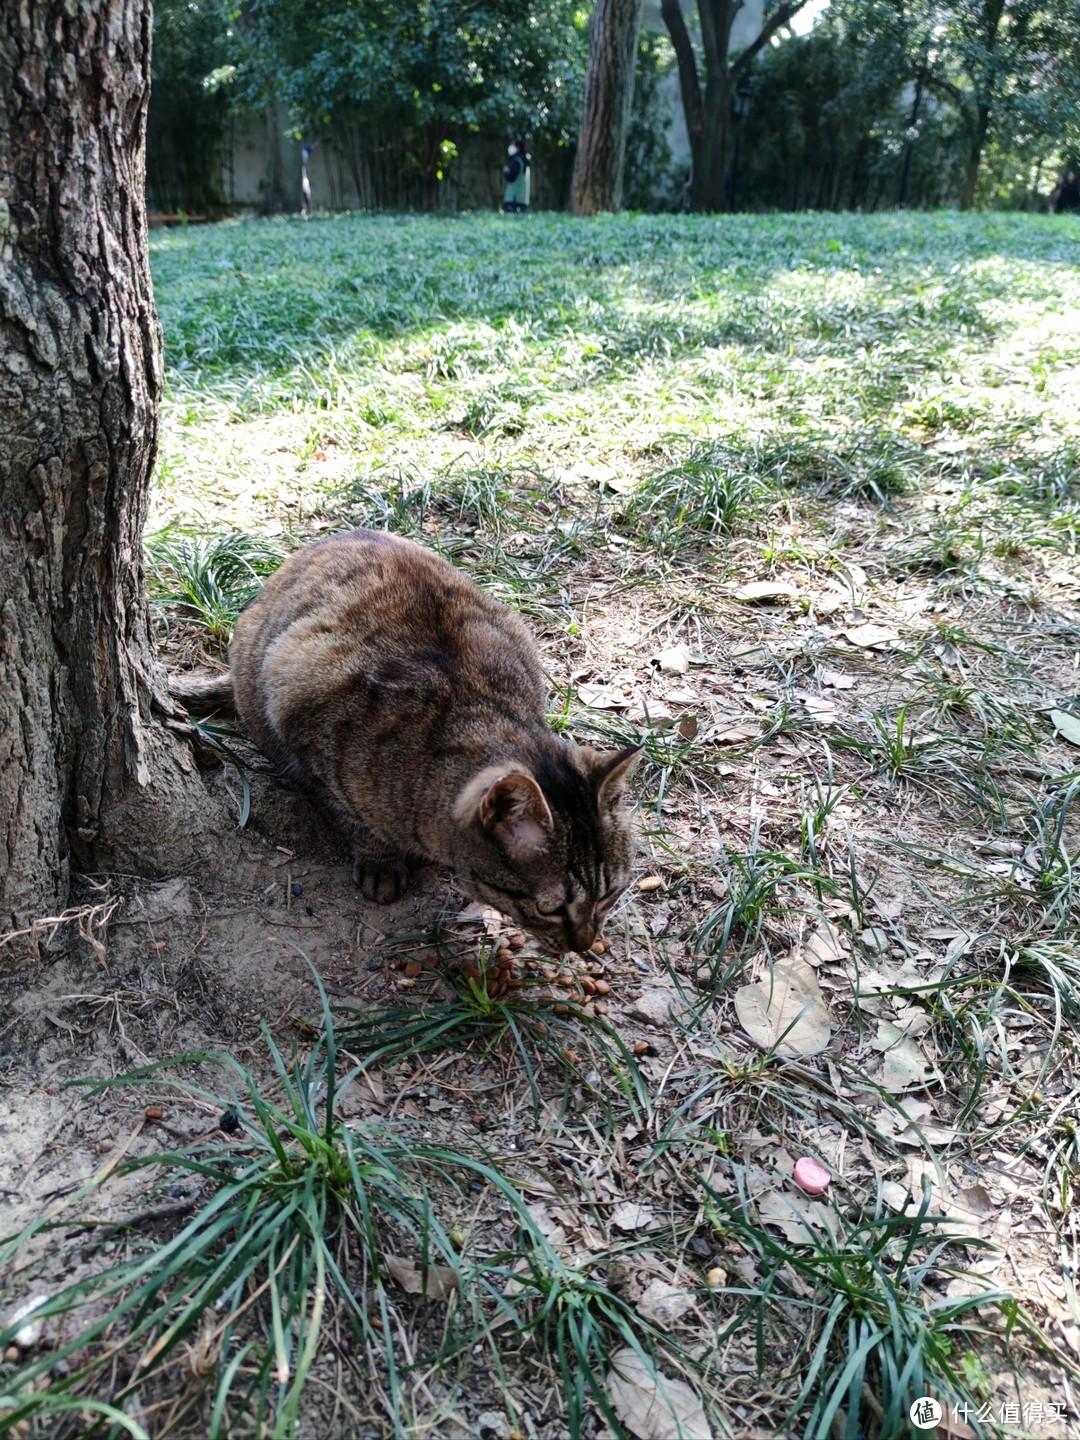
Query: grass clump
pixel 529 1026
pixel 208 579
pixel 293 1217
pixel 700 496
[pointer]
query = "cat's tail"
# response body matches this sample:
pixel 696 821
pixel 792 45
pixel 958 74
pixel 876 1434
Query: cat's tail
pixel 203 694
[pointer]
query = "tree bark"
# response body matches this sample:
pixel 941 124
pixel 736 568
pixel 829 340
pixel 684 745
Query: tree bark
pixel 276 200
pixel 597 181
pixel 87 778
pixel 974 157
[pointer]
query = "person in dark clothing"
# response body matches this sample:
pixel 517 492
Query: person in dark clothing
pixel 517 174
pixel 1067 197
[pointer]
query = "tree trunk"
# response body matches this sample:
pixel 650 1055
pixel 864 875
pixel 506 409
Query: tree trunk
pixel 985 88
pixel 276 201
pixel 710 188
pixel 597 181
pixel 708 116
pixel 87 778
pixel 974 158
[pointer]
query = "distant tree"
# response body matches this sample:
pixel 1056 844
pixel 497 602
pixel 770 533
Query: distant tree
pixel 187 117
pixel 431 72
pixel 597 182
pixel 1008 71
pixel 835 121
pixel 89 778
pixel 1006 66
pixel 708 90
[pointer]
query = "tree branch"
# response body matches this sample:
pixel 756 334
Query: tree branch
pixel 768 30
pixel 688 74
pixel 949 90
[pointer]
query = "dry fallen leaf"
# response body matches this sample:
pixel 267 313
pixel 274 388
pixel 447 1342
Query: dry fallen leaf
pixel 762 591
pixel 602 697
pixel 818 710
pixel 731 730
pixel 662 1304
pixel 837 680
pixel 822 946
pixel 905 1064
pixel 796 1215
pixel 911 1122
pixel 1067 725
pixel 871 636
pixel 784 1011
pixel 487 915
pixel 631 1217
pixel 437 1282
pixel 651 1405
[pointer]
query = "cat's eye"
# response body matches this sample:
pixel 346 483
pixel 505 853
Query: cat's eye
pixel 555 910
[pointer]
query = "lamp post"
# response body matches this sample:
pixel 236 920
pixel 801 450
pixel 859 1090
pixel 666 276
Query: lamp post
pixel 740 104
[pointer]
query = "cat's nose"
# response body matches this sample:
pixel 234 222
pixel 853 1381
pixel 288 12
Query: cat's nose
pixel 583 937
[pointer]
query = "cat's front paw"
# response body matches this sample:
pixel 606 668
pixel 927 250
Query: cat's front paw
pixel 381 881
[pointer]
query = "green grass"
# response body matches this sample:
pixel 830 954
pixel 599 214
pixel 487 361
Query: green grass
pixel 614 425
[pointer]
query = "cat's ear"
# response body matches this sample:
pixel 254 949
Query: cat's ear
pixel 611 773
pixel 514 812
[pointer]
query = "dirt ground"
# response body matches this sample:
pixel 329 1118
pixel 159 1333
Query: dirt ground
pixel 199 961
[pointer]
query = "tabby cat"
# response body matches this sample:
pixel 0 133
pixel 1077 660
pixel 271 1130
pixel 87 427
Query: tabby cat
pixel 410 705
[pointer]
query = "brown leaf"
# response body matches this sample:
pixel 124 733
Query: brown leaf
pixel 631 1217
pixel 663 1304
pixel 435 1282
pixel 652 1406
pixel 765 592
pixel 871 636
pixel 785 1011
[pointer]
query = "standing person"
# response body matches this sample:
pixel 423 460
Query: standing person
pixel 1068 194
pixel 305 183
pixel 518 177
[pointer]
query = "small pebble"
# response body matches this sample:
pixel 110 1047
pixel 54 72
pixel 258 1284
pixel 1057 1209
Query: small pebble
pixel 650 882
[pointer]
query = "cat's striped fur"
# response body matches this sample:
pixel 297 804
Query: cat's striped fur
pixel 410 704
